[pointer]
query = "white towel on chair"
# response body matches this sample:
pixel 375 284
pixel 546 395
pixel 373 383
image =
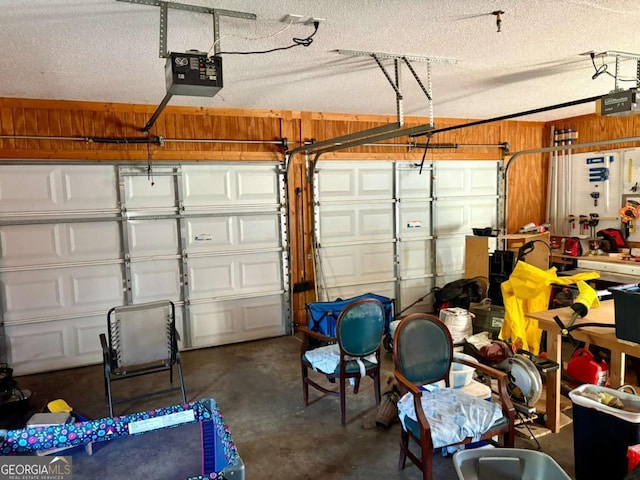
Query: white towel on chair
pixel 453 415
pixel 326 359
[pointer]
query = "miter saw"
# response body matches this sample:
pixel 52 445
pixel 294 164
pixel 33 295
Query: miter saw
pixel 523 370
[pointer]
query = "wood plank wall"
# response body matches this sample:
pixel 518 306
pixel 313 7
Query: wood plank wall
pixel 78 120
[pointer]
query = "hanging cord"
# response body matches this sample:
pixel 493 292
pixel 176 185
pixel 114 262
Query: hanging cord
pixel 297 42
pixel 424 154
pixel 149 171
pixel 603 68
pixel 598 70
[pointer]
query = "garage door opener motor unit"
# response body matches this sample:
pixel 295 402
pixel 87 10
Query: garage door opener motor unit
pixel 193 73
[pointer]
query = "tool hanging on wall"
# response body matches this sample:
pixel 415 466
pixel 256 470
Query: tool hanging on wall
pixel 584 222
pixel 600 174
pixel 594 219
pixel 628 215
pixel 572 222
pixel 303 285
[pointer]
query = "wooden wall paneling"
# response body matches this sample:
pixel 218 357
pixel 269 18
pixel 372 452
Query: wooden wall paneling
pixel 527 178
pixel 180 132
pixel 99 129
pixel 169 130
pixel 19 126
pixel 110 129
pixel 190 132
pixel 87 122
pixel 207 130
pixel 66 130
pixel 53 117
pixel 31 127
pixel 6 126
pixel 77 127
pixel 42 128
pixel 593 128
pixel 198 132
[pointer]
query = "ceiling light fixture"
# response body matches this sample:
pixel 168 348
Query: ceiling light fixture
pixel 498 14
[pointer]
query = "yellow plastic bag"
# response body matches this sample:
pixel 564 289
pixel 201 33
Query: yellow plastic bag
pixel 527 291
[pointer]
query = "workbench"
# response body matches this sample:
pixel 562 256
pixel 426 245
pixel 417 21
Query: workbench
pixel 600 336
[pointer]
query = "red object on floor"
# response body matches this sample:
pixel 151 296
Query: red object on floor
pixel 633 455
pixel 585 368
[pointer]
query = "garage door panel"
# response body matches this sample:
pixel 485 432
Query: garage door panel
pixel 89 187
pixel 337 223
pixel 68 291
pixel 225 185
pixel 51 345
pixel 213 323
pixel 412 184
pixel 483 213
pixel 459 216
pixel 86 336
pixel 335 184
pixel 28 294
pixel 356 222
pixel 34 188
pixel 263 315
pixel 154 280
pixel 466 178
pixel 207 186
pixel 376 182
pixel 153 237
pixel 260 231
pixel 358 263
pixel 450 256
pixel 41 342
pixel 141 192
pixel 414 289
pixel 93 241
pixel 212 277
pixel 234 274
pixel 210 234
pixel 351 180
pixel 260 272
pixel 229 321
pixel 31 244
pixel 415 258
pixel 256 186
pixel 415 219
pixel 452 217
pixel 97 287
pixel 46 188
pixel 42 244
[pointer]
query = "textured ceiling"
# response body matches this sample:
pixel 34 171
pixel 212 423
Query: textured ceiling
pixel 107 51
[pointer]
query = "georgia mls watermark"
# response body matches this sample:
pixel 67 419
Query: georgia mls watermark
pixel 35 468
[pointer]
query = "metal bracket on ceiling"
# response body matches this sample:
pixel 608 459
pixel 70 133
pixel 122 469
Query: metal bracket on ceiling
pixel 164 18
pixel 619 56
pixel 397 84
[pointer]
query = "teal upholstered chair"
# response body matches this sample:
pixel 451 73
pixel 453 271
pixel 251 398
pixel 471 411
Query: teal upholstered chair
pixel 355 351
pixel 422 353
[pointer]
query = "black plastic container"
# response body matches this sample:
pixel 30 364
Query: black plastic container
pixel 626 302
pixel 601 438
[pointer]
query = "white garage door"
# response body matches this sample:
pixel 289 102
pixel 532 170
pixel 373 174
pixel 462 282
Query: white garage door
pixel 382 227
pixel 77 240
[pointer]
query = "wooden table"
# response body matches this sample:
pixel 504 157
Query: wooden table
pixel 601 336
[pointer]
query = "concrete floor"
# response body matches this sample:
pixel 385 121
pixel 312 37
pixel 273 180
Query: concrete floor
pixel 258 390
